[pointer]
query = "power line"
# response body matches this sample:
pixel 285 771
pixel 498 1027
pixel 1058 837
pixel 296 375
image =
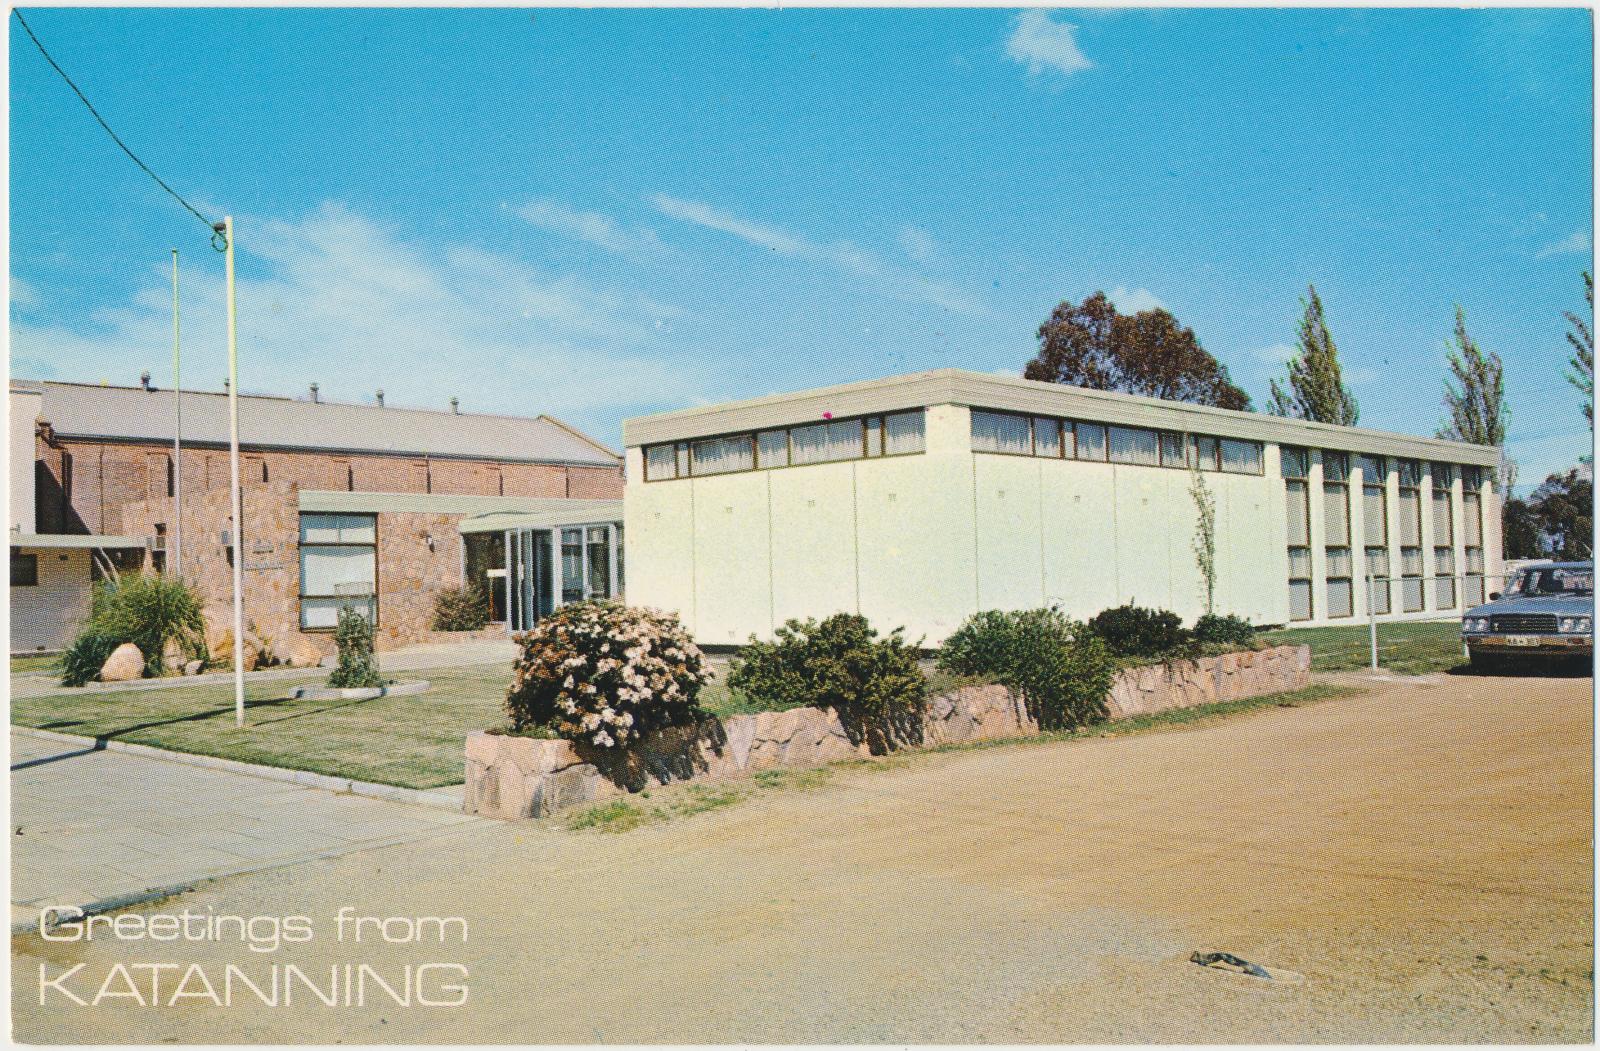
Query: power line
pixel 115 137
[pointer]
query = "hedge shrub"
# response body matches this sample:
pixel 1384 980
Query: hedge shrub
pixel 1214 630
pixel 461 609
pixel 874 684
pixel 1063 670
pixel 605 674
pixel 1134 631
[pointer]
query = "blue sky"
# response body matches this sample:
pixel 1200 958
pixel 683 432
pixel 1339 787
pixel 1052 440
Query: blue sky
pixel 603 213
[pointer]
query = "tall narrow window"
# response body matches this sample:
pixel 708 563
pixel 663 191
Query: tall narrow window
pixel 1297 502
pixel 599 549
pixel 1472 537
pixel 1375 528
pixel 1411 568
pixel 571 565
pixel 1336 533
pixel 1444 552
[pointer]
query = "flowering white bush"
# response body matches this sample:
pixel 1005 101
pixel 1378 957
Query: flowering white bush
pixel 605 674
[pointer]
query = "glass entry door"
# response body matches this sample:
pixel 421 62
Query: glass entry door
pixel 538 577
pixel 528 552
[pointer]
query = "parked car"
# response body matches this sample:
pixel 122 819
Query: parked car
pixel 1547 616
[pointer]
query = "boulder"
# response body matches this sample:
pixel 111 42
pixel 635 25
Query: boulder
pixel 194 667
pixel 299 652
pixel 173 658
pixel 222 649
pixel 124 664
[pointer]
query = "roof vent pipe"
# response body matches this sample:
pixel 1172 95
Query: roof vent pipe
pixel 380 399
pixel 455 405
pixel 314 395
pixel 144 380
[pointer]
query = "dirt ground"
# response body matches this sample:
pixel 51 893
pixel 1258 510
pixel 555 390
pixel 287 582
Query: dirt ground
pixel 1421 855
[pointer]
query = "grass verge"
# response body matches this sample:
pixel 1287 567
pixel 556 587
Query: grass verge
pixel 1412 648
pixel 624 815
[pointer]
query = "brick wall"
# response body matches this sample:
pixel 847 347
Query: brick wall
pixel 83 485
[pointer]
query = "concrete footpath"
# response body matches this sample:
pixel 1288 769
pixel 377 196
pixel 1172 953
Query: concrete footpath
pixel 91 828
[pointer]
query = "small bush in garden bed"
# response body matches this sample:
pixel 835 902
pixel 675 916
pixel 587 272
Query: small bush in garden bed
pixel 605 674
pixel 874 684
pixel 461 609
pixel 357 668
pixel 1229 631
pixel 1063 670
pixel 83 659
pixel 146 610
pixel 1134 631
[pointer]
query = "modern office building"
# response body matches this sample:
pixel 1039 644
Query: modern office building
pixel 918 500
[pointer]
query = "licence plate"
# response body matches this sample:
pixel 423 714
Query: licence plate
pixel 1522 640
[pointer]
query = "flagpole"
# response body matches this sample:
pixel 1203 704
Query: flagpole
pixel 177 432
pixel 233 468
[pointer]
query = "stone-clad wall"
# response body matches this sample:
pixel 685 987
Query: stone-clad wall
pixel 516 777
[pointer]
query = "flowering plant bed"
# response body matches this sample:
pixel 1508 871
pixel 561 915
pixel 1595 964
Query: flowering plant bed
pixel 509 775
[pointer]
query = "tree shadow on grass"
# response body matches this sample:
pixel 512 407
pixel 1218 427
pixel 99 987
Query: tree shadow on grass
pixel 67 725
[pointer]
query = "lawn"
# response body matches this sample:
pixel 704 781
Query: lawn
pixel 414 742
pixel 33 664
pixel 1413 648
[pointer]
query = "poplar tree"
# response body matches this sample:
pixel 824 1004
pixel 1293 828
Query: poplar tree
pixel 1582 360
pixel 1475 396
pixel 1314 389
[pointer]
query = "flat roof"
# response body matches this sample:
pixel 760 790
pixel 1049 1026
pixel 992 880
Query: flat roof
pixel 74 540
pixel 479 514
pixel 1011 393
pixel 580 512
pixel 96 412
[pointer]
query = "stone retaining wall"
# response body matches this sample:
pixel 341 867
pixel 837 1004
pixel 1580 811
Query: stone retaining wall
pixel 517 777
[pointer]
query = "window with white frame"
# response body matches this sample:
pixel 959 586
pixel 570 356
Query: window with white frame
pixel 338 568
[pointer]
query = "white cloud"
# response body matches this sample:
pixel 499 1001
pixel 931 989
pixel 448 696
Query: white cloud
pixel 594 228
pixel 920 246
pixel 1277 354
pixel 1042 43
pixel 335 299
pixel 23 294
pixel 1134 301
pixel 885 277
pixel 1577 243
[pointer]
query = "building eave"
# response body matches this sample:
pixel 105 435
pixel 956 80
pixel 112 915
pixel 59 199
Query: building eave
pixel 1013 394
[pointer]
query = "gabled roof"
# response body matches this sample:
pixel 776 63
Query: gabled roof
pixel 82 410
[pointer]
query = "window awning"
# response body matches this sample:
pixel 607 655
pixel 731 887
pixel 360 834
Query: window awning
pixel 568 513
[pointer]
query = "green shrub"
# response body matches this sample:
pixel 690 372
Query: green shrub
pixel 874 684
pixel 1063 670
pixel 82 661
pixel 357 668
pixel 461 609
pixel 1133 631
pixel 148 611
pixel 1212 630
pixel 601 673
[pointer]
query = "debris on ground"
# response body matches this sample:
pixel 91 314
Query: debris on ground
pixel 1227 961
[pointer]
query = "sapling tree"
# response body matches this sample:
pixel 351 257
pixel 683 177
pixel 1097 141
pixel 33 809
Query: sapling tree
pixel 1205 536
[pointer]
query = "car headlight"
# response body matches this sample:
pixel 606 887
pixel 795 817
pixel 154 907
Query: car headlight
pixel 1575 625
pixel 1475 624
